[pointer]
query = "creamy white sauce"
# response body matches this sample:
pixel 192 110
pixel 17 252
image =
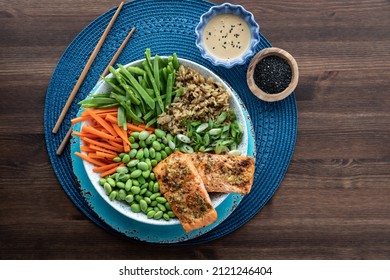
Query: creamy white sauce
pixel 226 36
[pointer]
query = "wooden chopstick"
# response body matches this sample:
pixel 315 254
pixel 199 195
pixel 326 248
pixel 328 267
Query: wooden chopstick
pixel 64 141
pixel 112 61
pixel 118 52
pixel 85 71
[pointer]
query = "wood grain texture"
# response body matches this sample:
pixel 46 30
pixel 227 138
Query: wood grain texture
pixel 334 202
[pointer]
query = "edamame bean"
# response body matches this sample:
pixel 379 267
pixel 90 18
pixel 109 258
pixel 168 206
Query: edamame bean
pixel 156 188
pixel 161 200
pixel 156 145
pixel 113 195
pixel 133 163
pixel 153 203
pixel 135 208
pixel 120 185
pixel 117 159
pixel 171 214
pixel 167 206
pixel 122 194
pixel 158 215
pixel 126 159
pixel 132 139
pixel 141 180
pixel 148 194
pixel 153 162
pixel 129 198
pixel 163 155
pixel 143 135
pixel 168 150
pixel 136 173
pixel 143 191
pixel 146 152
pixel 128 185
pixel 146 174
pixel 145 186
pixel 135 135
pixel 158 157
pixel 143 205
pixel 133 152
pixel 102 181
pixel 140 154
pixel 121 155
pixel 107 188
pixel 135 183
pixel 142 144
pixel 159 133
pixel 150 139
pixel 150 214
pixel 161 207
pixel 143 166
pixel 147 200
pixel 111 182
pixel 135 190
pixel 155 195
pixel 135 145
pixel 152 177
pixel 152 152
pixel 138 197
pixel 166 217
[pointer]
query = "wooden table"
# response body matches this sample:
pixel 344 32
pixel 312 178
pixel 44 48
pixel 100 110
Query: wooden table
pixel 334 202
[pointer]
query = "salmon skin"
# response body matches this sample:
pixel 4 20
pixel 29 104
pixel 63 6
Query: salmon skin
pixel 182 186
pixel 225 173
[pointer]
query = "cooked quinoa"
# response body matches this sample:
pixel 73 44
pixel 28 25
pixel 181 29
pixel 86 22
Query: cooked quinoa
pixel 201 100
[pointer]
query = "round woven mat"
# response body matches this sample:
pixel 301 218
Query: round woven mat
pixel 167 27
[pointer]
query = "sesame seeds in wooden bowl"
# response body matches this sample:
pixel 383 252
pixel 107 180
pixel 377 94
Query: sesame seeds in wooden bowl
pixel 272 74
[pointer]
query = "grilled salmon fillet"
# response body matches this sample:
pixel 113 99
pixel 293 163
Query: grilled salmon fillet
pixel 224 173
pixel 183 188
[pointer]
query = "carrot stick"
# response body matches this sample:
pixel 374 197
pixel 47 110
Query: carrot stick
pixel 102 122
pixel 108 172
pixel 83 134
pixel 115 144
pixel 105 155
pixel 93 130
pixel 106 167
pixel 111 119
pixel 116 148
pixel 80 119
pixel 91 160
pixel 86 149
pixel 122 134
pixel 134 127
pixel 101 111
pixel 100 149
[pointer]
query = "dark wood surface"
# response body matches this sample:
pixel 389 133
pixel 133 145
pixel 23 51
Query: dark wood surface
pixel 334 202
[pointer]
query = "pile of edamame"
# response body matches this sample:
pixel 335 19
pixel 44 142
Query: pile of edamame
pixel 135 183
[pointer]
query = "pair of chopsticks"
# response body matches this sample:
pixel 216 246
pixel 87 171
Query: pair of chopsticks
pixel 84 73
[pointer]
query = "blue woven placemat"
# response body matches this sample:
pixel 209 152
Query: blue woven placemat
pixel 167 27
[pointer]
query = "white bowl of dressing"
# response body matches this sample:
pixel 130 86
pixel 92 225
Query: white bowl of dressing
pixel 227 35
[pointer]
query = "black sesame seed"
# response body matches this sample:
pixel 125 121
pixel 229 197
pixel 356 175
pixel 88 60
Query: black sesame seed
pixel 272 74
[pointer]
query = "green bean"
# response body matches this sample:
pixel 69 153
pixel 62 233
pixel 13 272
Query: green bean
pixel 175 61
pixel 145 96
pixel 148 70
pixel 156 72
pixel 168 98
pixel 136 70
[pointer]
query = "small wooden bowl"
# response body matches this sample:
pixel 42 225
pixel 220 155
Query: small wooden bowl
pixel 272 97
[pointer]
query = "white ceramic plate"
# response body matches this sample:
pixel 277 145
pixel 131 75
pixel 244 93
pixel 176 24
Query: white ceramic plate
pixel 216 199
